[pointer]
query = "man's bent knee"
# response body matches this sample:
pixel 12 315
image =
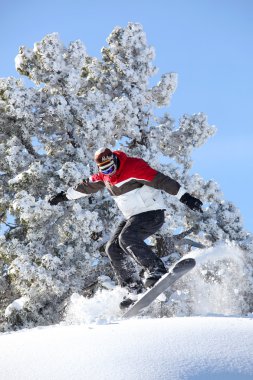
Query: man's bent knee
pixel 109 248
pixel 126 238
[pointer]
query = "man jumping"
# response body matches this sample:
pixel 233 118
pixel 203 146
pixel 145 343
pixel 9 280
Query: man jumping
pixel 135 186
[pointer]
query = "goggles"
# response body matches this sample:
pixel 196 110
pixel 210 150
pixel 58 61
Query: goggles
pixel 107 167
pixel 109 170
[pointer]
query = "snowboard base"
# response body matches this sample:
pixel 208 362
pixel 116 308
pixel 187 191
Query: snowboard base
pixel 177 271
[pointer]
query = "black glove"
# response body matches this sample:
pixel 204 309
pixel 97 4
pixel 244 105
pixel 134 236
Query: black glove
pixel 193 203
pixel 60 197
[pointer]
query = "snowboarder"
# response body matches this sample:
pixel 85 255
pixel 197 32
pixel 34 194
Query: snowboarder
pixel 134 186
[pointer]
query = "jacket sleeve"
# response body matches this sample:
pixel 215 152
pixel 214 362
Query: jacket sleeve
pixel 151 177
pixel 165 183
pixel 86 187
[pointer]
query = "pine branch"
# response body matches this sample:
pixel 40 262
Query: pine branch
pixel 167 245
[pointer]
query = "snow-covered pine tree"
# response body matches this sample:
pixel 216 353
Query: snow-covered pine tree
pixel 49 132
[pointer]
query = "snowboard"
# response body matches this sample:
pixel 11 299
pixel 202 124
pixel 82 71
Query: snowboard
pixel 177 271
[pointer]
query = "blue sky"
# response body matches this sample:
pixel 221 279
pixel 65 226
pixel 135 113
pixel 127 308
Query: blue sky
pixel 207 42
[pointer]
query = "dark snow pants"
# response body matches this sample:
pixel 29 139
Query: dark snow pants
pixel 128 239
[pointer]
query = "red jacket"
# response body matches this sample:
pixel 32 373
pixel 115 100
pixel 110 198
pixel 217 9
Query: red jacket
pixel 133 186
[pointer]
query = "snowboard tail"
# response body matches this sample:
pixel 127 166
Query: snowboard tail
pixel 175 273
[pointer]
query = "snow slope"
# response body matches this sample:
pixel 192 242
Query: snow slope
pixel 94 343
pixel 165 349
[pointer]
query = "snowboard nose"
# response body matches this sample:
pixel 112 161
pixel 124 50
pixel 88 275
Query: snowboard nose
pixel 184 264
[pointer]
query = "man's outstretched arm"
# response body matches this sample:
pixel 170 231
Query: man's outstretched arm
pixel 153 178
pixel 83 189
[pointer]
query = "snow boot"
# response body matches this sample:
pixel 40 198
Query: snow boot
pixel 134 289
pixel 126 302
pixel 153 276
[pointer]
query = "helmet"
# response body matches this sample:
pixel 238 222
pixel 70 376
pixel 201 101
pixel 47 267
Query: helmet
pixel 105 161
